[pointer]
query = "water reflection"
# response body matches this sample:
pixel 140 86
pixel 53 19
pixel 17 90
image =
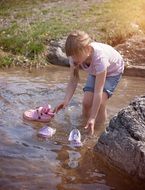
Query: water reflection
pixel 29 162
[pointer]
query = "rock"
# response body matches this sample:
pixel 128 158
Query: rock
pixel 56 54
pixel 123 144
pixel 136 71
pixel 133 52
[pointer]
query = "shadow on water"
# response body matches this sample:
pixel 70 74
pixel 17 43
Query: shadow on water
pixel 28 162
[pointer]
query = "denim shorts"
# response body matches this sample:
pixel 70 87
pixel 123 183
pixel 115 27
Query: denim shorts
pixel 109 86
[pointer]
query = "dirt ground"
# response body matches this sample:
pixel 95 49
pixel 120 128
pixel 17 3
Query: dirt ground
pixel 133 50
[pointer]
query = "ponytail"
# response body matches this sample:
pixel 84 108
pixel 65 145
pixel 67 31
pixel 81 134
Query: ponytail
pixel 76 72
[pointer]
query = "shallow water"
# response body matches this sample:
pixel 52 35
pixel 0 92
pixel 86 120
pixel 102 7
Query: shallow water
pixel 28 162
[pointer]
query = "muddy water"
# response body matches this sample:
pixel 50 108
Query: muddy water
pixel 28 162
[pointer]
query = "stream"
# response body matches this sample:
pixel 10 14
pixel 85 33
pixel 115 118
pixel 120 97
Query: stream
pixel 30 162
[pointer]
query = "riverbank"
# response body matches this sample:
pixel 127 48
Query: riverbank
pixel 28 28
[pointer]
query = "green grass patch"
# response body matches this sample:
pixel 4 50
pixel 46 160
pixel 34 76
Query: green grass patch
pixel 8 4
pixel 31 41
pixel 111 22
pixel 22 6
pixel 5 61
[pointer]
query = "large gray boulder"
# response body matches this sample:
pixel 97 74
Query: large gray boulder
pixel 123 144
pixel 56 54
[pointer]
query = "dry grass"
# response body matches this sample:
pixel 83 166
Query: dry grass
pixel 27 26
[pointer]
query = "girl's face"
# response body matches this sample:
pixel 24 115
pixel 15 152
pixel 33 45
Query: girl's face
pixel 82 56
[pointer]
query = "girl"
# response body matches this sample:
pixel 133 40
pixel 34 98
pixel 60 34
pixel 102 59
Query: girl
pixel 104 66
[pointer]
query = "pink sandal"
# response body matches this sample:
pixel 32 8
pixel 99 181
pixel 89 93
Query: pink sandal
pixel 75 138
pixel 46 132
pixel 41 114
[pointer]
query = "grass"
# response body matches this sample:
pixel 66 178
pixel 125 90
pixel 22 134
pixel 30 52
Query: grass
pixel 30 42
pixel 6 61
pixel 114 20
pixel 31 26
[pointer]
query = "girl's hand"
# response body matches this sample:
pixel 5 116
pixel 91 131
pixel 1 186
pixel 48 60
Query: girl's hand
pixel 59 107
pixel 90 125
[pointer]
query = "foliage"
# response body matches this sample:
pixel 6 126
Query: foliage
pixel 29 26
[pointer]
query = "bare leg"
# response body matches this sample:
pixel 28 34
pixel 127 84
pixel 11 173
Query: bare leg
pixel 102 114
pixel 87 104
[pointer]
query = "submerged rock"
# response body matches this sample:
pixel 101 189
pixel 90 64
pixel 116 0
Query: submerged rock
pixel 123 144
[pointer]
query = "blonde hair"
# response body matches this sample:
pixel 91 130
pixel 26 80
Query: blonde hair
pixel 76 43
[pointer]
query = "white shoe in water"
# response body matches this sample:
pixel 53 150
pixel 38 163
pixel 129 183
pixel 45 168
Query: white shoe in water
pixel 75 138
pixel 46 132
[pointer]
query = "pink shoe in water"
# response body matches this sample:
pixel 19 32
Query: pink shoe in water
pixel 46 132
pixel 75 138
pixel 41 114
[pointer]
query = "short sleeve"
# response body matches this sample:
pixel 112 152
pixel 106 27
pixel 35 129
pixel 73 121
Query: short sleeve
pixel 101 64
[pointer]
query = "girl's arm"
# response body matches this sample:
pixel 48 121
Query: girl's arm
pixel 74 77
pixel 98 91
pixel 71 87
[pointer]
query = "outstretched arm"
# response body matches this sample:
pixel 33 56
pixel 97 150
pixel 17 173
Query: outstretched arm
pixel 98 91
pixel 71 87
